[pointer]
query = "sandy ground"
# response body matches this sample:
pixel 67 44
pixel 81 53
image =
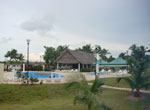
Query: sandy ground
pixel 9 77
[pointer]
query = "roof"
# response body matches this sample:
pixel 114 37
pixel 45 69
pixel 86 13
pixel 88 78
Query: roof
pixel 118 61
pixel 77 57
pixel 100 62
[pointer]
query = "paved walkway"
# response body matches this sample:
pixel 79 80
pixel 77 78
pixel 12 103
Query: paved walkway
pixel 124 89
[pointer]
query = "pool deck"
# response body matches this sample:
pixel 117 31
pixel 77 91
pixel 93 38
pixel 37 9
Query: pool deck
pixel 9 77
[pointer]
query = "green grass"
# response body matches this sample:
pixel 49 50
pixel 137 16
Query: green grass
pixel 113 82
pixel 55 97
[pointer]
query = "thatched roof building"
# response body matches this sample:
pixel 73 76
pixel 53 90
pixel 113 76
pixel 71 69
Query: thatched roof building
pixel 75 58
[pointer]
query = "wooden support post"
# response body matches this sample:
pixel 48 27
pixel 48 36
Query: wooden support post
pixel 79 67
pixel 23 67
pixel 57 65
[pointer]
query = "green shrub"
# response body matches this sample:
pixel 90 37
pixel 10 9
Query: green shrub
pixel 32 80
pixel 36 68
pixel 85 70
pixel 94 69
pixel 18 74
pixel 47 68
pixel 51 68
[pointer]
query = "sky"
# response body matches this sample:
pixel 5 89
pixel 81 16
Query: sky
pixel 112 24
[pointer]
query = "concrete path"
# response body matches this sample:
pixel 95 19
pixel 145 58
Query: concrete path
pixel 124 89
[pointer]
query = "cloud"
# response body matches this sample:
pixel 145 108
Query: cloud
pixel 43 25
pixel 4 39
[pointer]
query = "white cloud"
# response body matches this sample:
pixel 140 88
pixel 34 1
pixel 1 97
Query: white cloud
pixel 43 25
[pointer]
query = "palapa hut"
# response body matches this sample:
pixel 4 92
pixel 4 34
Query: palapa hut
pixel 75 59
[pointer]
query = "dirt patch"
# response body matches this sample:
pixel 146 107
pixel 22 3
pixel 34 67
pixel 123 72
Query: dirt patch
pixel 26 84
pixel 1 100
pixel 143 96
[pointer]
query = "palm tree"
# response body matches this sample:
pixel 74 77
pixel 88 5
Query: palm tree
pixel 136 82
pixel 88 94
pixel 14 56
pixel 138 63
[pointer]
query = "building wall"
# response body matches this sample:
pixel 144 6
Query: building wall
pixel 1 72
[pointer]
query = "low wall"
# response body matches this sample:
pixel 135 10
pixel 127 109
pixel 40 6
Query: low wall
pixel 1 72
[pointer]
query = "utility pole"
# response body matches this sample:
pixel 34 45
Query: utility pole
pixel 28 42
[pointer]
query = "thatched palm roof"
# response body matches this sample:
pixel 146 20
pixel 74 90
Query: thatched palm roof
pixel 75 56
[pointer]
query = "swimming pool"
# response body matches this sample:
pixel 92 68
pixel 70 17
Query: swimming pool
pixel 42 75
pixel 98 73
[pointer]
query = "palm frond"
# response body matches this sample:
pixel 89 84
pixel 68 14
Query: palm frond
pixel 78 81
pixel 95 88
pixel 81 97
pixel 73 85
pixel 118 80
pixel 146 85
pixel 130 81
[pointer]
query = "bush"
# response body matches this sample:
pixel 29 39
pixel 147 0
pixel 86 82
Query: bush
pixel 18 74
pixel 47 69
pixel 94 69
pixel 36 68
pixel 51 68
pixel 85 70
pixel 33 80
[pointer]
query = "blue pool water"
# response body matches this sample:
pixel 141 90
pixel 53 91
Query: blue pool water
pixel 43 75
pixel 98 73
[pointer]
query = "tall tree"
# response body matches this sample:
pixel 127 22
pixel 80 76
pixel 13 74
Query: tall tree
pixel 124 55
pixel 49 55
pixel 61 48
pixel 13 55
pixel 86 48
pixel 138 66
pixel 110 58
pixel 20 57
pixel 102 52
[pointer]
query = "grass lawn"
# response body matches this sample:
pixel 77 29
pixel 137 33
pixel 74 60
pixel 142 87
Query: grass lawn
pixel 113 82
pixel 55 97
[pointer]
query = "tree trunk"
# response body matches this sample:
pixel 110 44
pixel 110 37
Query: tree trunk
pixel 137 93
pixel 89 107
pixel 27 81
